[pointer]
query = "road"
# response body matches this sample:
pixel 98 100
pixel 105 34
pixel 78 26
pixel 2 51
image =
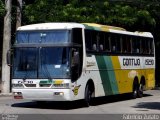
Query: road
pixel 119 104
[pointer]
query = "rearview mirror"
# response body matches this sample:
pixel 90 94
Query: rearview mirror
pixel 9 57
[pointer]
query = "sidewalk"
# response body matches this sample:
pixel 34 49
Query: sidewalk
pixel 5 94
pixel 157 88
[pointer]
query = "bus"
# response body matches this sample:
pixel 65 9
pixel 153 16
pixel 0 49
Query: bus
pixel 73 61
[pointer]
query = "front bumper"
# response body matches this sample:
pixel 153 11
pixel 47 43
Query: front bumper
pixel 43 94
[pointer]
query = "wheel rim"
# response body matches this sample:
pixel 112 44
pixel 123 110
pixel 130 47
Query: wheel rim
pixel 135 93
pixel 141 88
pixel 140 91
pixel 88 96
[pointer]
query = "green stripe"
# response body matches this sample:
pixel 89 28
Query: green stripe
pixel 92 27
pixel 107 75
pixel 45 82
pixel 111 73
pixel 104 75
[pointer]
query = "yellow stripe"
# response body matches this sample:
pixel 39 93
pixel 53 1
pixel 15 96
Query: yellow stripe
pixel 104 27
pixel 123 81
pixel 58 81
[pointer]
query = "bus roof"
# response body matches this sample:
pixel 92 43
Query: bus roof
pixel 114 29
pixel 50 26
pixel 101 27
pixel 91 26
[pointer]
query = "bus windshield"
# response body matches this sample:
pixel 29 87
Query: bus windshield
pixel 50 36
pixel 45 62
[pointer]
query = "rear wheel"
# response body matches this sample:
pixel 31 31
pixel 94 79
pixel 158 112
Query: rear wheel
pixel 140 91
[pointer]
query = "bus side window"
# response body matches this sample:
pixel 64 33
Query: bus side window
pixel 152 46
pixel 148 46
pixel 94 47
pixel 107 43
pixel 77 39
pixel 124 44
pixel 113 43
pixel 142 46
pixel 101 47
pixel 137 44
pixel 101 41
pixel 94 41
pixel 118 43
pixel 88 40
pixel 75 63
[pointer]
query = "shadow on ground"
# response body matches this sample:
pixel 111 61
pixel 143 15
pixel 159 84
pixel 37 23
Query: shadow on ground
pixel 148 105
pixel 74 104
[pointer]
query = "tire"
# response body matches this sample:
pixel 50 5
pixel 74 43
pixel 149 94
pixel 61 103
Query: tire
pixel 140 91
pixel 135 91
pixel 88 96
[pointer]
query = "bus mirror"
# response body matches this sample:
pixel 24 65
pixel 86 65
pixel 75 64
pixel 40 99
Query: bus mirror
pixel 9 58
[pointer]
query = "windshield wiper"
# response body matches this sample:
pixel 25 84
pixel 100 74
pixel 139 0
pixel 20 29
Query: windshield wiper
pixel 25 69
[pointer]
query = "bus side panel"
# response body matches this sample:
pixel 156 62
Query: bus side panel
pixel 107 74
pixel 122 76
pixel 149 66
pixel 92 72
pixel 150 79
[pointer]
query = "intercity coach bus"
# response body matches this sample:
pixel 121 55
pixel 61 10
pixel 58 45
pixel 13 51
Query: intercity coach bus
pixel 72 61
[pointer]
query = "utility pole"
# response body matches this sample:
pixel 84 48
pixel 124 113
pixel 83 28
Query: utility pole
pixel 6 47
pixel 19 13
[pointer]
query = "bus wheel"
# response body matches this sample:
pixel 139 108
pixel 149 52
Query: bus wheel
pixel 88 96
pixel 135 91
pixel 134 94
pixel 140 91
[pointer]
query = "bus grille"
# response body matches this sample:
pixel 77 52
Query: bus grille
pixel 45 85
pixel 30 85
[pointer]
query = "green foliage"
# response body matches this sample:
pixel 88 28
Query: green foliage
pixel 130 16
pixel 2 9
pixel 2 12
pixel 142 15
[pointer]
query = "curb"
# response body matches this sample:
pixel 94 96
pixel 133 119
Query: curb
pixel 5 94
pixel 156 88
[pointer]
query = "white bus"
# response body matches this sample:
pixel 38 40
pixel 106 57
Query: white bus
pixel 72 61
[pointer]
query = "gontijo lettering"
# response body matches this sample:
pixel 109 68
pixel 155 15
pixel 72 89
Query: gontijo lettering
pixel 131 62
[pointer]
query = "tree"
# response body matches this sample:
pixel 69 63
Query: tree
pixel 6 46
pixel 19 13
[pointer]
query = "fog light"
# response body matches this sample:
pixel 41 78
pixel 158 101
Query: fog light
pixel 59 93
pixel 17 95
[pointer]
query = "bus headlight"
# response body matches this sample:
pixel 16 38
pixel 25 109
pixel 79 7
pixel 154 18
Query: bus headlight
pixel 62 85
pixel 17 86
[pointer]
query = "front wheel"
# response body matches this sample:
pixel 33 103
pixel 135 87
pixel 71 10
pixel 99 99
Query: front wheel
pixel 88 96
pixel 135 92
